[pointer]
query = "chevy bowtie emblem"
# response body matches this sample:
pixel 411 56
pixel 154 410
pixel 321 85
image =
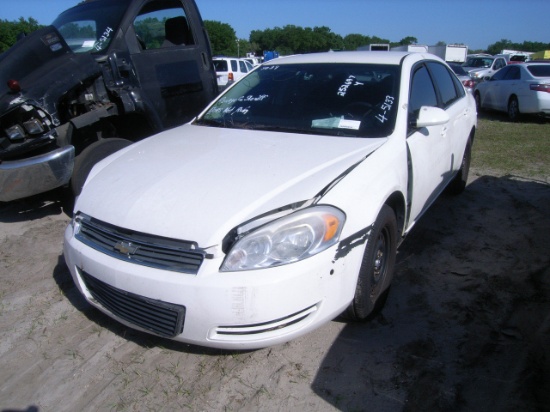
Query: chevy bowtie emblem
pixel 126 248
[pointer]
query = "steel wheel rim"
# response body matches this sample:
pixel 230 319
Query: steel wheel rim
pixel 379 263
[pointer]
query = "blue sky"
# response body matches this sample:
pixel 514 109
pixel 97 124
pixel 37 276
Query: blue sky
pixel 477 23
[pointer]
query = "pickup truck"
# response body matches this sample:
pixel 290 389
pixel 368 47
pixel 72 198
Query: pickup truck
pixel 104 75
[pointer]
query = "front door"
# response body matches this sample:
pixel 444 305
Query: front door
pixel 173 61
pixel 429 148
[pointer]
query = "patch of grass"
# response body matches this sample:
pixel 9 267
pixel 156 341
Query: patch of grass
pixel 521 148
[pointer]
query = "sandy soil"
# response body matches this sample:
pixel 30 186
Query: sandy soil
pixel 466 326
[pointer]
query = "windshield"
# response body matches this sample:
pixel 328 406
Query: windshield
pixel 479 62
pixel 90 27
pixel 337 99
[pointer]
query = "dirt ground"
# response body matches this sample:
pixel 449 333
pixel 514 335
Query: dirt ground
pixel 466 326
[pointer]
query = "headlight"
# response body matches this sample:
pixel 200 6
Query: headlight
pixel 15 132
pixel 33 126
pixel 289 239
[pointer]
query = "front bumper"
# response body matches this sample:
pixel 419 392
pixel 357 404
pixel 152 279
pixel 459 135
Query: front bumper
pixel 232 310
pixel 34 175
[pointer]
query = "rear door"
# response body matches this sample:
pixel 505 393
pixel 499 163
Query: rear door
pixel 173 61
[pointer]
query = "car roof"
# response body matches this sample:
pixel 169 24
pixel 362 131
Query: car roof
pixel 376 57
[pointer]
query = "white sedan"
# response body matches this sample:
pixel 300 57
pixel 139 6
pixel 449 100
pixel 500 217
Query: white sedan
pixel 522 88
pixel 278 208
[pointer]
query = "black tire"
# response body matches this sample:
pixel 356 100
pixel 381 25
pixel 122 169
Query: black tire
pixel 477 98
pixel 458 184
pixel 90 156
pixel 513 109
pixel 377 268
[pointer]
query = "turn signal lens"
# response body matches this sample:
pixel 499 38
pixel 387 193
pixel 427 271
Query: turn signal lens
pixel 14 86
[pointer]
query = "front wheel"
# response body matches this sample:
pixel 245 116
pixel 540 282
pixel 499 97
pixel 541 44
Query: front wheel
pixel 90 156
pixel 377 268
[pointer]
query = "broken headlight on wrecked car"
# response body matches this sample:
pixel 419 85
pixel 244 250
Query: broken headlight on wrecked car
pixel 15 133
pixel 26 121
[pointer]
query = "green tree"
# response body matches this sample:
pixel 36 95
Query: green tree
pixel 497 47
pixel 407 41
pixel 354 41
pixel 527 46
pixel 10 30
pixel 222 38
pixel 295 39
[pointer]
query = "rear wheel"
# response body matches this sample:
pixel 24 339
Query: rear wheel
pixel 377 268
pixel 458 184
pixel 513 109
pixel 90 156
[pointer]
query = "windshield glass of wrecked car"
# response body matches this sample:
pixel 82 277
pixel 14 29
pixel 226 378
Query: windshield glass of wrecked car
pixel 90 27
pixel 357 100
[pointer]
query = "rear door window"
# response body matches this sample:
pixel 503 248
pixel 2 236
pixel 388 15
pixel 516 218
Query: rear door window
pixel 444 81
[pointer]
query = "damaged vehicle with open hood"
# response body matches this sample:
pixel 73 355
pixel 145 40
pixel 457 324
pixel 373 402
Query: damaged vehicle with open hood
pixel 104 75
pixel 280 206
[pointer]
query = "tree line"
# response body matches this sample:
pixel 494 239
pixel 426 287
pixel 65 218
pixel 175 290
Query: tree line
pixel 10 30
pixel 286 40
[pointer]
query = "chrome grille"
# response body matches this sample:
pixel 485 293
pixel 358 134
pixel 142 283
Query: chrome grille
pixel 143 249
pixel 164 319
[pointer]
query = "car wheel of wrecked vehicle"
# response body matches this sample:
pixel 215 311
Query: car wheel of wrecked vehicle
pixel 513 109
pixel 90 156
pixel 376 268
pixel 458 184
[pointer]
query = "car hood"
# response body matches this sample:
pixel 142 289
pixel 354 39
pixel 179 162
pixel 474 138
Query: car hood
pixel 45 68
pixel 472 70
pixel 197 183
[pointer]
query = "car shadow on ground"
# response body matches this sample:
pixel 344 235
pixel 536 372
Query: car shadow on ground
pixel 51 203
pixel 467 322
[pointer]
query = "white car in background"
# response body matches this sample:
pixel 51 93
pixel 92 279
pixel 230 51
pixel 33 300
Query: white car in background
pixel 278 208
pixel 522 88
pixel 230 70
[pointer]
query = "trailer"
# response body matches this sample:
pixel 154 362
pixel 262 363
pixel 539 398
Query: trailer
pixel 375 47
pixel 541 55
pixel 420 48
pixel 454 53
